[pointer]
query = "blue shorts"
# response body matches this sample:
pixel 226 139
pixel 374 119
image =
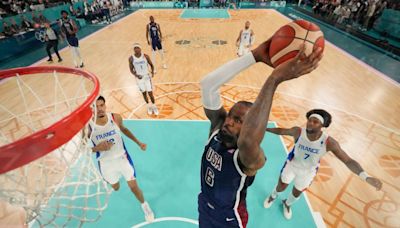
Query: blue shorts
pixel 156 44
pixel 212 217
pixel 73 41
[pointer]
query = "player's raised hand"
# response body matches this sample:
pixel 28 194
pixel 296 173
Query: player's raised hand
pixel 298 66
pixel 142 146
pixel 374 182
pixel 261 53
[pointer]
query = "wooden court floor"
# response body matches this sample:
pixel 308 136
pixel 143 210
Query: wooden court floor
pixel 365 106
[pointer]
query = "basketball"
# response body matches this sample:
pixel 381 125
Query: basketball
pixel 286 41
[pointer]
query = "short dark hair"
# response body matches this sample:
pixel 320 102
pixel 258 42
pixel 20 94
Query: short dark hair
pixel 245 103
pixel 327 117
pixel 101 98
pixel 63 11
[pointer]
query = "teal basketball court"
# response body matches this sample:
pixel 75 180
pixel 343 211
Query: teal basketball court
pixel 175 148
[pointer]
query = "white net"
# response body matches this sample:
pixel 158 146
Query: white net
pixel 62 188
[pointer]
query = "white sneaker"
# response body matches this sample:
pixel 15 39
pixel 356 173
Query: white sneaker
pixel 268 202
pixel 148 213
pixel 149 110
pixel 287 211
pixel 155 110
pixel 165 66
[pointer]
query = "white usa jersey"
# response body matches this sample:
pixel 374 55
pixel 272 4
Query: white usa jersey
pixel 109 132
pixel 245 37
pixel 141 65
pixel 306 154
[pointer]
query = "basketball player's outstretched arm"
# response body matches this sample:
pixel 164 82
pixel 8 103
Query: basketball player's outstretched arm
pixel 127 132
pixel 294 131
pixel 253 128
pixel 353 165
pixel 212 82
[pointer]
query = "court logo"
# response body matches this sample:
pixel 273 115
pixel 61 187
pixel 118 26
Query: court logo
pixel 219 42
pixel 182 42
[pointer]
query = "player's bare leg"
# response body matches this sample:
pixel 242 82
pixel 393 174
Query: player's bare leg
pixel 280 187
pixel 148 213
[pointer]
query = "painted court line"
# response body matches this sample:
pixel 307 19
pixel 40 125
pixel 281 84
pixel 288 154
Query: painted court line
pixel 396 131
pixel 186 220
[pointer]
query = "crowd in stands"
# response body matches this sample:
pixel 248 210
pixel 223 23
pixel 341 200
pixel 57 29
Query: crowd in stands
pixel 98 11
pixel 12 28
pixel 14 7
pixel 359 14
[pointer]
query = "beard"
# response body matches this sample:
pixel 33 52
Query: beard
pixel 227 138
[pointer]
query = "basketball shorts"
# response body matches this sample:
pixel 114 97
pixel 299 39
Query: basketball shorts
pixel 113 169
pixel 156 44
pixel 212 217
pixel 145 84
pixel 73 41
pixel 242 50
pixel 302 178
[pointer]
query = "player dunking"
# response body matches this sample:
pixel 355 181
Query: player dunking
pixel 138 65
pixel 111 153
pixel 69 30
pixel 154 35
pixel 311 143
pixel 245 40
pixel 233 154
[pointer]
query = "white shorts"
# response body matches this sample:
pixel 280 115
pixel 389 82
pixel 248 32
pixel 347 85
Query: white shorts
pixel 302 178
pixel 145 84
pixel 112 169
pixel 242 50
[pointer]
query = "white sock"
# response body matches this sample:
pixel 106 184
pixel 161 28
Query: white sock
pixel 74 56
pixel 162 55
pixel 78 54
pixel 153 55
pixel 145 205
pixel 291 199
pixel 275 193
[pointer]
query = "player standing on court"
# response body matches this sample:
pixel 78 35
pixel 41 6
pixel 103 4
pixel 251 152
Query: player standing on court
pixel 302 163
pixel 154 35
pixel 245 40
pixel 111 153
pixel 138 65
pixel 69 30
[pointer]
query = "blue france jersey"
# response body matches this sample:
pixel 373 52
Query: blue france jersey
pixel 223 184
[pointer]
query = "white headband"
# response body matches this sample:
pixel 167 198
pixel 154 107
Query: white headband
pixel 319 117
pixel 136 45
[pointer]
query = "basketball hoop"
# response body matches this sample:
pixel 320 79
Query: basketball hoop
pixel 46 166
